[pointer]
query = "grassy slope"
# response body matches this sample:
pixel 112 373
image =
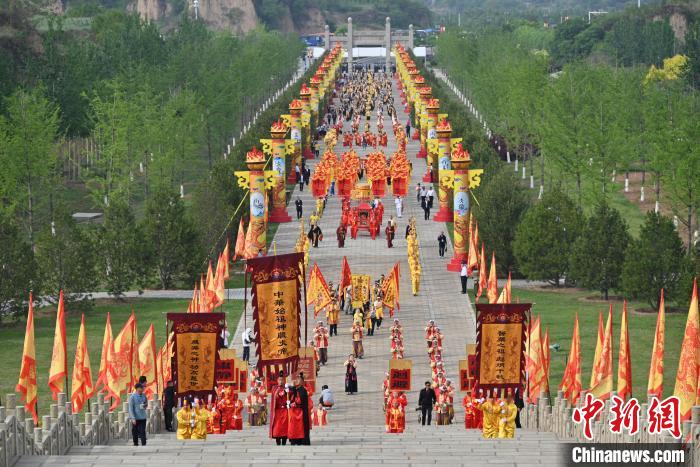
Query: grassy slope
pixel 558 309
pixel 147 311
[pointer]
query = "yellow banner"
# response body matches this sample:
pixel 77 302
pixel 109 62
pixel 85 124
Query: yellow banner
pixel 278 320
pixel 196 354
pixel 500 358
pixel 360 290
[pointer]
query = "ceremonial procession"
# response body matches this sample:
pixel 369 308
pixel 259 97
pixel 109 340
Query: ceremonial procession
pixel 453 320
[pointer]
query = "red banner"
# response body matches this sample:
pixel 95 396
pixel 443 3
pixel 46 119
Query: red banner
pixel 277 309
pixel 400 375
pixel 196 352
pixel 500 345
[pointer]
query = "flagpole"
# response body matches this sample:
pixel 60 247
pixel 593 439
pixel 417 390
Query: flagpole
pixel 306 309
pixel 245 295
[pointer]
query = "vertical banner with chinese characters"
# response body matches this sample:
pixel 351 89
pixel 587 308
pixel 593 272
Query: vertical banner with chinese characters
pixel 196 352
pixel 500 345
pixel 400 375
pixel 277 309
pixel 360 290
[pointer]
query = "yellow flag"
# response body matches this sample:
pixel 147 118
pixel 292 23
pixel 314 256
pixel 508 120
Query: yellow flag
pixel 603 373
pixel 81 387
pixel 59 364
pixel 687 376
pixel 26 385
pixel 656 368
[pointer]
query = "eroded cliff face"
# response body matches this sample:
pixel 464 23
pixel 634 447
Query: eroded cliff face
pixel 237 16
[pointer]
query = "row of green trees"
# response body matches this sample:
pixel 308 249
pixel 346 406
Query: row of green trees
pixel 557 240
pixel 162 108
pixel 579 126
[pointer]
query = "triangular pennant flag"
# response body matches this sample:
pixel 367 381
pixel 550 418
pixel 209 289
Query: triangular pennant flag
pixel 571 382
pixel 26 385
pixel 59 363
pixel 656 368
pixel 624 359
pixel 686 388
pixel 81 386
pixel 604 372
pixel 147 362
pixel 492 290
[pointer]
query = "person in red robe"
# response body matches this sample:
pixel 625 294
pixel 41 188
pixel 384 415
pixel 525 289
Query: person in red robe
pixel 299 422
pixel 471 419
pixel 389 231
pixel 279 411
pixel 395 418
pixel 341 232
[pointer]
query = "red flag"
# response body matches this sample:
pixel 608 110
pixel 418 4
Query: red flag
pixel 535 364
pixel 598 348
pixel 656 368
pixel 26 385
pixel 345 275
pixel 686 388
pixel 624 359
pixel 571 382
pixel 547 357
pixel 59 363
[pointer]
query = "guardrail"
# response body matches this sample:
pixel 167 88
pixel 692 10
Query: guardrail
pixel 62 429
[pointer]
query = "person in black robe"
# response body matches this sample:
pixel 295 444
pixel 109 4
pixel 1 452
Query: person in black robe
pixel 300 394
pixel 168 404
pixel 341 232
pixel 520 405
pixel 350 375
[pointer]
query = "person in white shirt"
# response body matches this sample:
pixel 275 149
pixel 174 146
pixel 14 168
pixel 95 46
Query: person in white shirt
pixel 247 337
pixel 431 197
pixel 326 400
pixel 463 276
pixel 225 336
pixel 399 206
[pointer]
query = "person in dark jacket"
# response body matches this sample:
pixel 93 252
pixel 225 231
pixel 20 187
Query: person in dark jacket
pixel 168 405
pixel 300 207
pixel 520 405
pixel 426 400
pixel 442 244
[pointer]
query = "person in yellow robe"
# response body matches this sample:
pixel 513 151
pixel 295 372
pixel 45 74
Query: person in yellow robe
pixel 491 412
pixel 185 420
pixel 201 415
pixel 506 423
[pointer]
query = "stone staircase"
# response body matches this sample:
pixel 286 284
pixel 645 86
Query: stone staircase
pixel 333 444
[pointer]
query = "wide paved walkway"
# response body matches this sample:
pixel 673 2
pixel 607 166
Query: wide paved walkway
pixel 439 297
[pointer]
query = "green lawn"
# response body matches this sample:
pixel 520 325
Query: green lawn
pixel 557 310
pixel 147 311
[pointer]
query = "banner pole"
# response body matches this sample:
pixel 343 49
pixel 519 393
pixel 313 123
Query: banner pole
pixel 306 309
pixel 245 295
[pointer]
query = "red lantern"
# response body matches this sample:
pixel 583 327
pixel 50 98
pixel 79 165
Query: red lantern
pixel 399 186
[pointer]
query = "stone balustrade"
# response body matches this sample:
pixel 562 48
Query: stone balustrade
pixel 61 429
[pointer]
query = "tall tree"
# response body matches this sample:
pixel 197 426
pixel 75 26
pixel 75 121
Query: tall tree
pixel 598 254
pixel 173 242
pixel 17 268
pixel 120 248
pixel 66 257
pixel 29 149
pixel 654 261
pixel 502 201
pixel 544 236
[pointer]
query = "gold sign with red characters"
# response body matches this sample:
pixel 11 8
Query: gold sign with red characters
pixel 196 352
pixel 226 367
pixel 500 353
pixel 307 365
pixel 276 308
pixel 400 375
